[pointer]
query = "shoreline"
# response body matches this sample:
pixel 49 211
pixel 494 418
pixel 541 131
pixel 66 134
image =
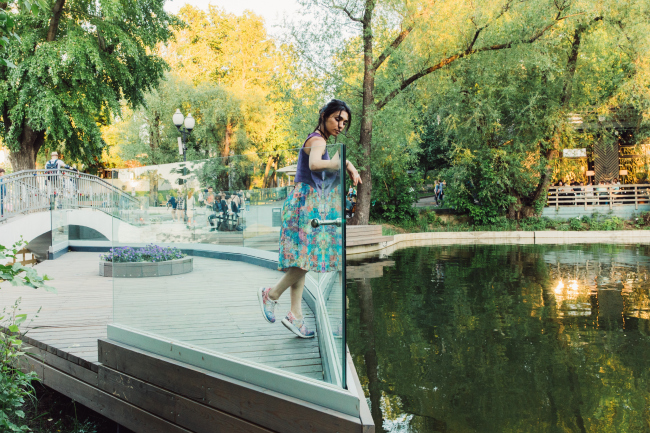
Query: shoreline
pixel 406 240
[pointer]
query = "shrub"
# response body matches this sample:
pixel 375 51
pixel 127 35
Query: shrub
pixel 613 223
pixel 576 224
pixel 645 216
pixel 149 253
pixel 394 198
pixel 15 386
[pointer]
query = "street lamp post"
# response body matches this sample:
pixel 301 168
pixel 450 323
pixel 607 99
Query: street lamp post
pixel 185 125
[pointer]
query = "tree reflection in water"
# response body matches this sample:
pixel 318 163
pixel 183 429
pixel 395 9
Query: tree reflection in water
pixel 506 339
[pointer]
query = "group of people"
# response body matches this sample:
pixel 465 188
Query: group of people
pixel 581 193
pixel 224 209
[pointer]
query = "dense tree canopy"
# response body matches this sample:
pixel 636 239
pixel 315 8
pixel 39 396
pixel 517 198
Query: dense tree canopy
pixel 480 93
pixel 73 65
pixel 508 115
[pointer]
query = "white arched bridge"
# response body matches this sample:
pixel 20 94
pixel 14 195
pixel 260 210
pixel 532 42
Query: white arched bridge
pixel 41 207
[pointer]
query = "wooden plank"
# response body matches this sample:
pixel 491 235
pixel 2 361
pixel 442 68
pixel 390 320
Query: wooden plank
pixel 68 367
pixel 255 404
pixel 110 406
pixel 176 409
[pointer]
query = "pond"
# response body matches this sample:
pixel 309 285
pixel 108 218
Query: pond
pixel 504 338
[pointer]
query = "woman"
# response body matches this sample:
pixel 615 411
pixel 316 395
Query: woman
pixel 302 247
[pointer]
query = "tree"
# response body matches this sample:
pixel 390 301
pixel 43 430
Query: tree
pixel 403 60
pixel 509 115
pixel 72 68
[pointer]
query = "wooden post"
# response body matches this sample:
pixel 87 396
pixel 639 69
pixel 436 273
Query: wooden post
pixel 636 198
pixel 611 197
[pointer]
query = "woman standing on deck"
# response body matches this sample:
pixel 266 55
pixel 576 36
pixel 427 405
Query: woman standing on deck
pixel 302 247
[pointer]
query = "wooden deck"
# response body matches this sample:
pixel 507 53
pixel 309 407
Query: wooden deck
pixel 215 307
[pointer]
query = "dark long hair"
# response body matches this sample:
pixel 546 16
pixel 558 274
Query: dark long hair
pixel 328 109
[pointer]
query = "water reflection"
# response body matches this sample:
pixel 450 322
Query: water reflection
pixel 504 338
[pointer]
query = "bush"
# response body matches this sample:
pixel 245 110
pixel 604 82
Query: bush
pixel 645 217
pixel 150 253
pixel 576 224
pixel 394 198
pixel 15 386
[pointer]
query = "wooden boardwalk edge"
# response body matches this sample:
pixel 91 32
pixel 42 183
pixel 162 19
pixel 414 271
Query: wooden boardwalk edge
pixel 171 396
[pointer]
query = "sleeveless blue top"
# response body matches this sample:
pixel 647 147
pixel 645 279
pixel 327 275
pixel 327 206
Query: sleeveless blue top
pixel 319 180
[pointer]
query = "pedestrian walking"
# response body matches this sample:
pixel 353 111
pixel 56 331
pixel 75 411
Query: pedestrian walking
pixel 55 182
pixel 304 248
pixel 3 193
pixel 174 205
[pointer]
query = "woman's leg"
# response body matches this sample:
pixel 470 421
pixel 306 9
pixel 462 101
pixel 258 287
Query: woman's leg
pixel 294 278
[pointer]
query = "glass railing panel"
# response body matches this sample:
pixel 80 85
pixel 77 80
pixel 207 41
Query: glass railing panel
pixel 61 190
pixel 226 215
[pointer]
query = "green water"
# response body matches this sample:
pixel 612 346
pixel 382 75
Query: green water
pixel 505 338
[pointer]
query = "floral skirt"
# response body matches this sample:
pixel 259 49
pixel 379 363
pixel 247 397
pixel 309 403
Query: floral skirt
pixel 302 246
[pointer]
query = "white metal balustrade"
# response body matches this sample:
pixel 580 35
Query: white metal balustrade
pixel 30 191
pixel 599 195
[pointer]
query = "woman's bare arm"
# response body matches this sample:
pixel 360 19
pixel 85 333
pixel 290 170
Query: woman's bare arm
pixel 315 148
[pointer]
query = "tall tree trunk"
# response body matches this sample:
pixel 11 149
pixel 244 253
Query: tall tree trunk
pixel 30 141
pixel 275 172
pixel 368 108
pixel 265 178
pixel 227 141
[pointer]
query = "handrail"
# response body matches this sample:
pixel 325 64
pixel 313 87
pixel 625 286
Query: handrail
pixel 30 191
pixel 599 195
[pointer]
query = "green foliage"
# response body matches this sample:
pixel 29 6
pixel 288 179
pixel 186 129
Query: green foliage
pixel 478 182
pixel 73 84
pixel 394 197
pixel 611 223
pixel 493 119
pixel 8 23
pixel 226 174
pixel 645 216
pixel 576 224
pixel 17 274
pixel 15 386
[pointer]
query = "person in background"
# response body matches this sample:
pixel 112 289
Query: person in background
pixel 3 193
pixel 201 197
pixel 54 181
pixel 440 192
pixel 174 204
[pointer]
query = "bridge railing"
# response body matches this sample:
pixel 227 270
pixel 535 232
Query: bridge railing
pixel 30 191
pixel 599 195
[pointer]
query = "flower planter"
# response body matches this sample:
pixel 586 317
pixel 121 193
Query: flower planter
pixel 146 269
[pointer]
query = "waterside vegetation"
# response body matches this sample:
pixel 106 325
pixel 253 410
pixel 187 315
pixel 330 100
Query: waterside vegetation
pixel 429 221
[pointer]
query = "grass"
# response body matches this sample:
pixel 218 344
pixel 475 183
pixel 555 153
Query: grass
pixel 429 221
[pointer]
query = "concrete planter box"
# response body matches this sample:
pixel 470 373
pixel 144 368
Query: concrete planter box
pixel 146 269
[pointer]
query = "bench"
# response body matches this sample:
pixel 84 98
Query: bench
pixel 364 235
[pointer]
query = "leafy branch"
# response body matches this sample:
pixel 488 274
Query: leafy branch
pixel 18 274
pixel 470 50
